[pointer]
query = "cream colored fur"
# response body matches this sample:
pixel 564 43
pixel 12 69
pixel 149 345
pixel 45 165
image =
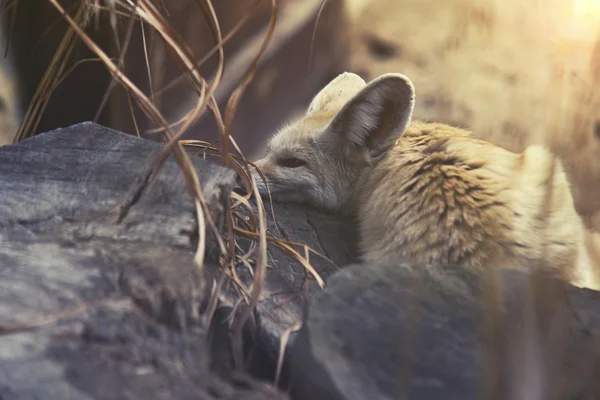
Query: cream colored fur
pixel 428 193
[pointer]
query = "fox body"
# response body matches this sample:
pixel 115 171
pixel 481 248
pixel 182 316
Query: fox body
pixel 427 193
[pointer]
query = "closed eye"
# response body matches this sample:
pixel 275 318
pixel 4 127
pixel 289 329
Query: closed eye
pixel 290 162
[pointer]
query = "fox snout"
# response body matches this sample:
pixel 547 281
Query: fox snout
pixel 240 186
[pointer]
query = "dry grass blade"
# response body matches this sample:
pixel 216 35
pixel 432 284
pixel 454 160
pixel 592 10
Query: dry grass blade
pixel 261 262
pixel 123 51
pixel 282 345
pixel 147 60
pixel 213 301
pixel 290 251
pixel 236 96
pixel 314 34
pixel 72 68
pixel 209 54
pixel 241 169
pixel 14 6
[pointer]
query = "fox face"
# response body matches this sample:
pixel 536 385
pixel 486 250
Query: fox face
pixel 320 158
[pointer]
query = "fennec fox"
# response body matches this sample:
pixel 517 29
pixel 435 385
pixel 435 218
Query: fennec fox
pixel 427 193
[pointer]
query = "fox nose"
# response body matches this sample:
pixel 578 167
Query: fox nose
pixel 239 184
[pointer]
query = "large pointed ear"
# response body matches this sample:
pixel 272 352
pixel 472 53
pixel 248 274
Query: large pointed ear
pixel 377 115
pixel 337 93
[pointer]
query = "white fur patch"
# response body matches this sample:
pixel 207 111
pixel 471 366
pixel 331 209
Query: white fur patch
pixel 337 93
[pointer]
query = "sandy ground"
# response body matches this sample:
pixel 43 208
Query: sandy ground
pixel 515 73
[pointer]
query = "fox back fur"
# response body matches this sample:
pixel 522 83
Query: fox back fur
pixel 427 193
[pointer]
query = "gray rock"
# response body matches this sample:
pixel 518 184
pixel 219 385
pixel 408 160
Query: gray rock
pixel 284 299
pixel 94 309
pixel 91 308
pixel 384 332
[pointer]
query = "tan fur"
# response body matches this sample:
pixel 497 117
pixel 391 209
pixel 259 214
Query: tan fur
pixel 428 193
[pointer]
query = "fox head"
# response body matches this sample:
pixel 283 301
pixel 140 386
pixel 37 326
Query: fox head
pixel 348 125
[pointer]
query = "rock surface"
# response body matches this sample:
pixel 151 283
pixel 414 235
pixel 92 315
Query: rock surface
pixel 92 309
pixel 382 332
pixel 284 299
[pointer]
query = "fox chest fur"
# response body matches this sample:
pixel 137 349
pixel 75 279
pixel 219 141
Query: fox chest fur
pixel 427 194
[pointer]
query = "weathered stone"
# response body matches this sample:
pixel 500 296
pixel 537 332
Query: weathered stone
pixel 284 299
pixel 91 308
pixel 383 332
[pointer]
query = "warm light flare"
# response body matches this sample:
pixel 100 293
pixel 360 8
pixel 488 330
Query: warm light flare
pixel 587 10
pixel 578 26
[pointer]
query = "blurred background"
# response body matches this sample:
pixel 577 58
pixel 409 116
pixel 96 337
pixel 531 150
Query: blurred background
pixel 514 72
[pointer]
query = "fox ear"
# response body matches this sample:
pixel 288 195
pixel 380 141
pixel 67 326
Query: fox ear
pixel 337 93
pixel 377 115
